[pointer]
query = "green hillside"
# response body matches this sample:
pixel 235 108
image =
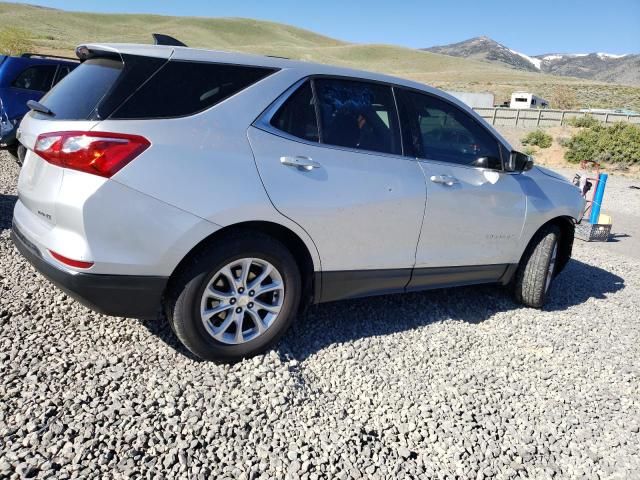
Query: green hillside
pixel 58 31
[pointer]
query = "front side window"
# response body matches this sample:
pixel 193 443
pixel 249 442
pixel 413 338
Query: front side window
pixel 38 78
pixel 438 130
pixel 297 116
pixel 357 115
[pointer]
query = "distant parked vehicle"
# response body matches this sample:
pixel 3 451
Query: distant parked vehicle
pixel 475 99
pixel 25 78
pixel 527 100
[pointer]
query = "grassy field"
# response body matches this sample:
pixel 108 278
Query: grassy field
pixel 57 31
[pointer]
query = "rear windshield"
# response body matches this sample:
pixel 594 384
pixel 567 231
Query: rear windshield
pixel 145 88
pixel 78 95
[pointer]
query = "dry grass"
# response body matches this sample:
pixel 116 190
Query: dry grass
pixel 58 32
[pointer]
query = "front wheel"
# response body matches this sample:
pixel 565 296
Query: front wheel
pixel 538 267
pixel 236 299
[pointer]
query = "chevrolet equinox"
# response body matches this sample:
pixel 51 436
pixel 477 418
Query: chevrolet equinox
pixel 233 190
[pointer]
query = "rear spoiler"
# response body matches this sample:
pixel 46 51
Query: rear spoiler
pixel 86 51
pixel 162 39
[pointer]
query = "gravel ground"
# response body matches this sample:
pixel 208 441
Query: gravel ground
pixel 445 384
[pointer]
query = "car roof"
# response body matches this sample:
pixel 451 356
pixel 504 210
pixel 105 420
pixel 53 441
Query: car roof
pixel 203 55
pixel 304 68
pixel 41 60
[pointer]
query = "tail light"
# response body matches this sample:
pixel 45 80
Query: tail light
pixel 70 261
pixel 98 153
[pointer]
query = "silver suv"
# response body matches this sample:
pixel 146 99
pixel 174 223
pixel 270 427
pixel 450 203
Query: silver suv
pixel 233 190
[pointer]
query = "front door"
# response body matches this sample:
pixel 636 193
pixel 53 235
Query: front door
pixel 474 215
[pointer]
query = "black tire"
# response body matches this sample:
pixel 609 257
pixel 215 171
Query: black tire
pixel 18 152
pixel 13 151
pixel 182 302
pixel 533 271
pixel 21 152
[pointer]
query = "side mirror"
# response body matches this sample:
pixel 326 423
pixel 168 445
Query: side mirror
pixel 519 162
pixel 488 162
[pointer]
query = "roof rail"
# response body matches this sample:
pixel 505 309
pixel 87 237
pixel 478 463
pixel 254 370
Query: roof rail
pixel 43 55
pixel 162 39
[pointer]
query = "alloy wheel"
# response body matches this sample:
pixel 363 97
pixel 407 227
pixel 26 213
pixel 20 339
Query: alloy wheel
pixel 242 300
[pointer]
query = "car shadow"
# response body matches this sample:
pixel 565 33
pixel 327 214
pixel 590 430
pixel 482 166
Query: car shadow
pixel 160 328
pixel 7 203
pixel 615 237
pixel 339 322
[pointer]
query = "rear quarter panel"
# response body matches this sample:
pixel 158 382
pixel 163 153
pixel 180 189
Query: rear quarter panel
pixel 204 165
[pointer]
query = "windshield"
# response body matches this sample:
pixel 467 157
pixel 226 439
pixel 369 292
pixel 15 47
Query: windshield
pixel 77 96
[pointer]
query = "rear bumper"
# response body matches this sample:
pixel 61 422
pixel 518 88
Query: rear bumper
pixel 118 295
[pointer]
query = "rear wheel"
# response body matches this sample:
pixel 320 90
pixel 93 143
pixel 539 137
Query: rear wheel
pixel 236 299
pixel 538 267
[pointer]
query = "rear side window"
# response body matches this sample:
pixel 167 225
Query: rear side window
pixel 437 130
pixel 185 88
pixel 38 78
pixel 78 95
pixel 358 115
pixel 297 116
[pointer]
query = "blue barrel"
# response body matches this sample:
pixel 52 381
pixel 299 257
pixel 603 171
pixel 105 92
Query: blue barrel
pixel 597 198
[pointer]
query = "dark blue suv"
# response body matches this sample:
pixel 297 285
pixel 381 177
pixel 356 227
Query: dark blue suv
pixel 25 78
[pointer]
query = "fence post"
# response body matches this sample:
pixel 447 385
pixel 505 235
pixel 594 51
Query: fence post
pixel 517 116
pixel 493 120
pixel 606 119
pixel 562 118
pixel 539 115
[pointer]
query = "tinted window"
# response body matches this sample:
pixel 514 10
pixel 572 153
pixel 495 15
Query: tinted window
pixel 184 88
pixel 63 71
pixel 78 96
pixel 37 78
pixel 297 116
pixel 358 115
pixel 438 130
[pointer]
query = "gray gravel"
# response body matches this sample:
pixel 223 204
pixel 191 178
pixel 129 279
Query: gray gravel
pixel 445 384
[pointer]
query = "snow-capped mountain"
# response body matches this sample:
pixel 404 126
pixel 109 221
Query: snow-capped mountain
pixel 602 66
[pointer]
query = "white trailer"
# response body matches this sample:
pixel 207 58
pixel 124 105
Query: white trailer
pixel 475 100
pixel 527 100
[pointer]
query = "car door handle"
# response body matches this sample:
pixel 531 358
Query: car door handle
pixel 302 163
pixel 447 180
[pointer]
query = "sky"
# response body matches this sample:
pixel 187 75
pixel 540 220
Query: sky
pixel 532 27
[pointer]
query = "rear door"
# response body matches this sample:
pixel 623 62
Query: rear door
pixel 474 215
pixel 343 179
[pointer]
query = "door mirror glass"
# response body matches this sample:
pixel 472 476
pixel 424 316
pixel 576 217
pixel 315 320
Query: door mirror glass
pixel 519 162
pixel 492 163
